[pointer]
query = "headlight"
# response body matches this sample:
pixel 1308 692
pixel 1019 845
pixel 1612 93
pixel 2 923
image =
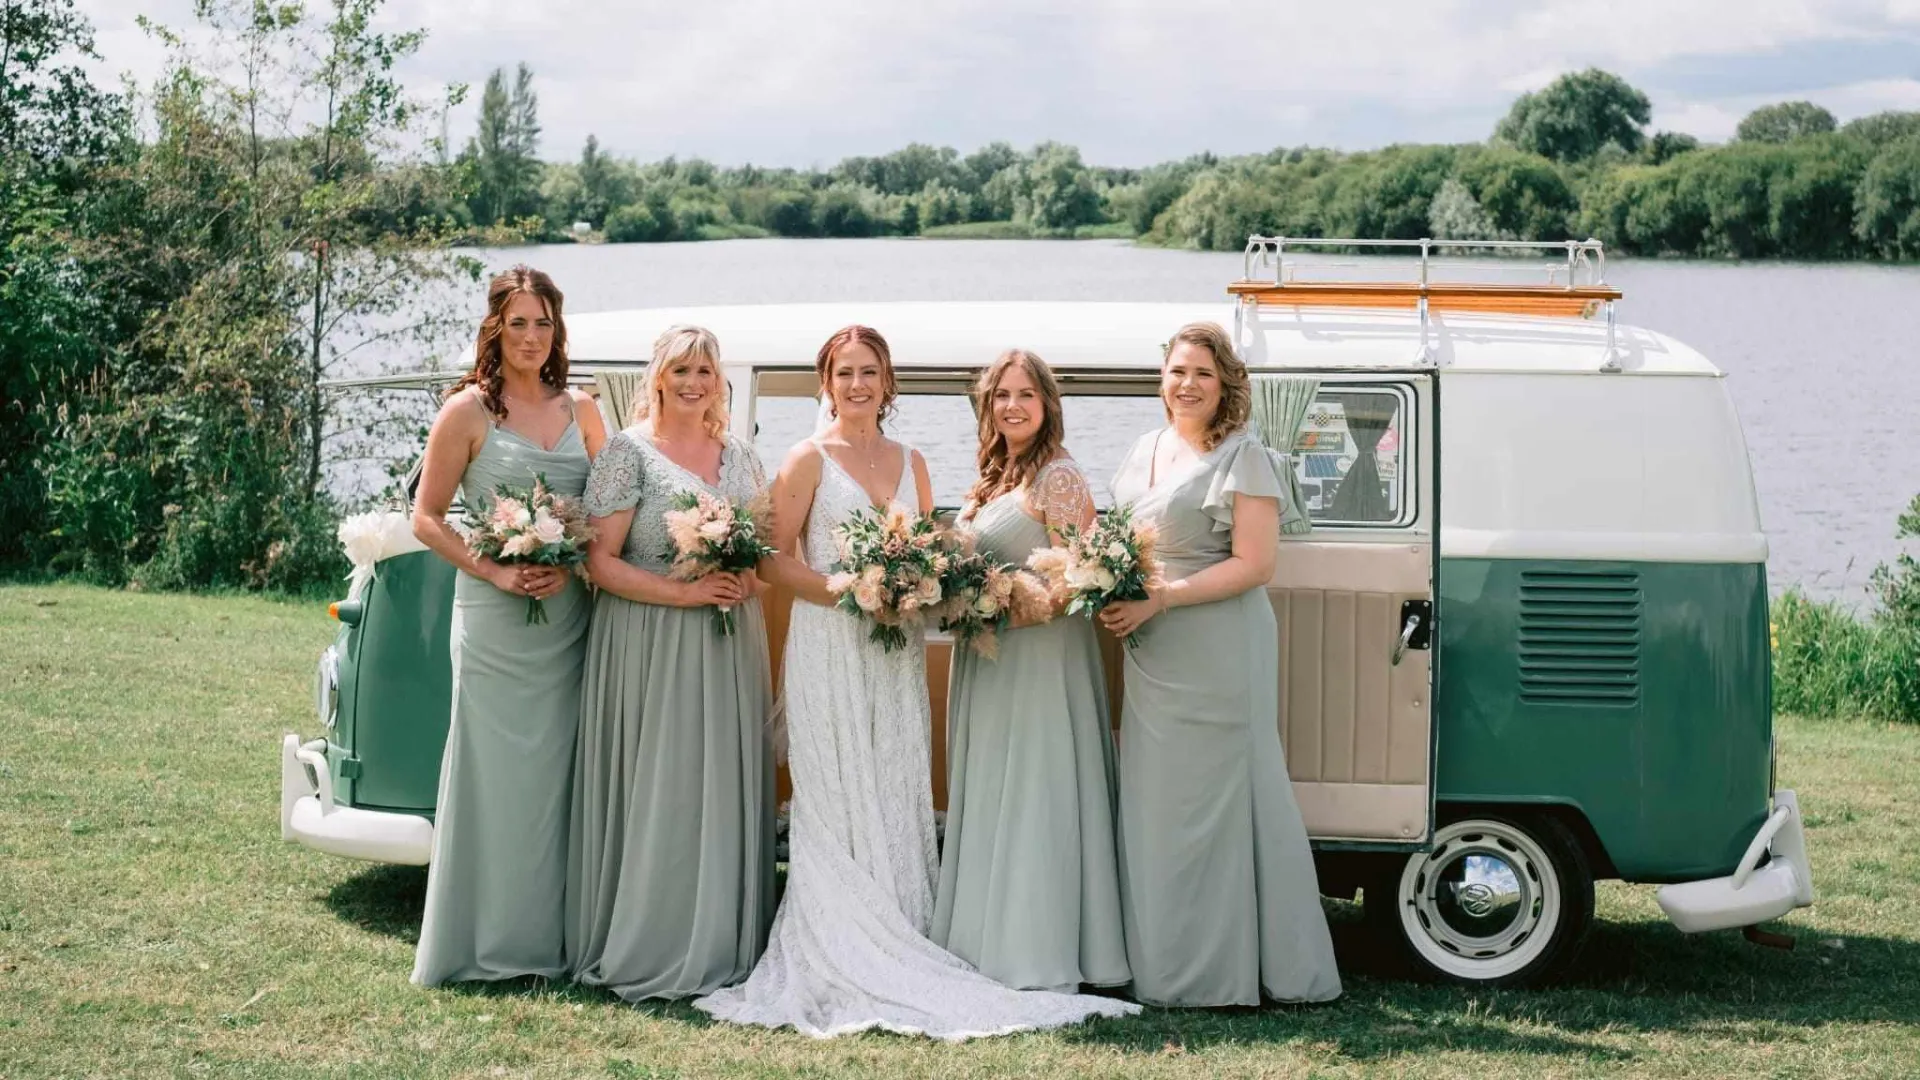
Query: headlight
pixel 326 688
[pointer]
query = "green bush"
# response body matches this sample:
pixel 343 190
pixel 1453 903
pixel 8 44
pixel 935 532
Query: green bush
pixel 979 230
pixel 1828 661
pixel 730 232
pixel 632 224
pixel 1887 208
pixel 840 211
pixel 1524 195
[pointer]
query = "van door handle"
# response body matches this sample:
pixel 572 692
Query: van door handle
pixel 1406 634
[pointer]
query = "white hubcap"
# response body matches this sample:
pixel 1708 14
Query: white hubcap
pixel 1483 904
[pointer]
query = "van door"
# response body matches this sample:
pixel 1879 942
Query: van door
pixel 1354 602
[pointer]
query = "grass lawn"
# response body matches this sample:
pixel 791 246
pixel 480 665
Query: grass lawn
pixel 153 924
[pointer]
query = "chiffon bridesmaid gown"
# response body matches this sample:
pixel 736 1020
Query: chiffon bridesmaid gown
pixel 1029 888
pixel 500 833
pixel 1218 888
pixel 670 875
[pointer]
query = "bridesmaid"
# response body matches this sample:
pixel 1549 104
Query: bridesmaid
pixel 670 871
pixel 1217 881
pixel 500 834
pixel 1029 889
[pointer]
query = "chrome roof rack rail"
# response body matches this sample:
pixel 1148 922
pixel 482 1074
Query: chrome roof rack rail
pixel 1575 286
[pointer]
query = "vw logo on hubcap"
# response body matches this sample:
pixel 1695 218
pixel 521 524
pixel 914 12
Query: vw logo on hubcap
pixel 1476 900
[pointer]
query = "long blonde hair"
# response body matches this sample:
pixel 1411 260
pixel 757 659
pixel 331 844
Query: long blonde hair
pixel 1236 388
pixel 999 473
pixel 671 347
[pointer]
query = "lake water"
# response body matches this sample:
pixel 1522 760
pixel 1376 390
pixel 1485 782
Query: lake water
pixel 1822 358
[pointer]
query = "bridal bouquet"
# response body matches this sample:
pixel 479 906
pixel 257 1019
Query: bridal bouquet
pixel 1094 567
pixel 888 571
pixel 710 535
pixel 532 528
pixel 983 596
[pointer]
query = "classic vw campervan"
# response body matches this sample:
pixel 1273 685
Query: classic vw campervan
pixel 1523 646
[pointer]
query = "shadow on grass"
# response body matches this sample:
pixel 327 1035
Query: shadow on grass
pixel 386 900
pixel 1642 977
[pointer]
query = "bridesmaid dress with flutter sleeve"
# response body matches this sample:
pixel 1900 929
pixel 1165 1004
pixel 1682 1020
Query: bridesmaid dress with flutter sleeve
pixel 670 875
pixel 1217 881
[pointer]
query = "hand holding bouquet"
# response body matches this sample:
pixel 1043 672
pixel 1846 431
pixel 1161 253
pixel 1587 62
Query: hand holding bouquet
pixel 888 571
pixel 711 535
pixel 1095 567
pixel 983 597
pixel 530 528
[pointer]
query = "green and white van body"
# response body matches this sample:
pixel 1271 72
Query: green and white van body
pixel 1541 658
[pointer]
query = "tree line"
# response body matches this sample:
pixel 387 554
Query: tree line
pixel 1572 159
pixel 184 267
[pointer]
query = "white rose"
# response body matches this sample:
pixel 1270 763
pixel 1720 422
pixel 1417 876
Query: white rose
pixel 362 539
pixel 1116 550
pixel 1079 576
pixel 549 529
pixel 716 531
pixel 1104 580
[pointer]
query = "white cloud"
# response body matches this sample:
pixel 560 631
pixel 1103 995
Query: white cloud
pixel 1129 81
pixel 1715 120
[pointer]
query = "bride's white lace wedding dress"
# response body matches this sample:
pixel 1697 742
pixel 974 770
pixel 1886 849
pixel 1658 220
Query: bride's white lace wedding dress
pixel 849 950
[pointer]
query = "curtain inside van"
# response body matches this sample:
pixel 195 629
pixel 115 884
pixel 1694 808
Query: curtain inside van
pixel 617 391
pixel 1280 404
pixel 1361 497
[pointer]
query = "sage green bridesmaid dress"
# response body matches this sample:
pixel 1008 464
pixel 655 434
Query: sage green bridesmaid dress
pixel 1217 881
pixel 670 877
pixel 1029 889
pixel 506 780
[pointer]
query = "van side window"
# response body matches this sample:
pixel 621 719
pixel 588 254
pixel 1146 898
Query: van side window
pixel 1101 428
pixel 1351 454
pixel 1352 457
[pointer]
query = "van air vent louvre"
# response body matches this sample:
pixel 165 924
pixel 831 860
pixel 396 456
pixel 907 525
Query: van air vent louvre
pixel 1580 637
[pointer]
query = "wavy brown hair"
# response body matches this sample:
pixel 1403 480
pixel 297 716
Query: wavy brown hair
pixel 676 344
pixel 999 473
pixel 486 349
pixel 859 335
pixel 1236 388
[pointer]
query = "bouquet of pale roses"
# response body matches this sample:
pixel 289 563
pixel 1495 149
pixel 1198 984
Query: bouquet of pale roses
pixel 712 535
pixel 530 527
pixel 889 571
pixel 1095 567
pixel 983 596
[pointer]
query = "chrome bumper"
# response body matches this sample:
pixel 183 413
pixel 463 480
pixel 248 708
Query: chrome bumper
pixel 1753 893
pixel 308 815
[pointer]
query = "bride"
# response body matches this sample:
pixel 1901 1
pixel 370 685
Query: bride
pixel 849 949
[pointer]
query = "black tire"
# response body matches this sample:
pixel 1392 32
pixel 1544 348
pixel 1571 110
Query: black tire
pixel 1515 917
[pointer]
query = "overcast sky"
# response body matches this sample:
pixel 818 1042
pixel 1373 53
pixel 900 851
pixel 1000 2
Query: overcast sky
pixel 1130 82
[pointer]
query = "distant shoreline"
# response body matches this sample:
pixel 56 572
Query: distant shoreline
pixel 972 233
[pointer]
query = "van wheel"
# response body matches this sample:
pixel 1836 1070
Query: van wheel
pixel 1498 901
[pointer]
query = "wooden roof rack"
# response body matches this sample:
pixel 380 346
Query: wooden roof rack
pixel 1575 284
